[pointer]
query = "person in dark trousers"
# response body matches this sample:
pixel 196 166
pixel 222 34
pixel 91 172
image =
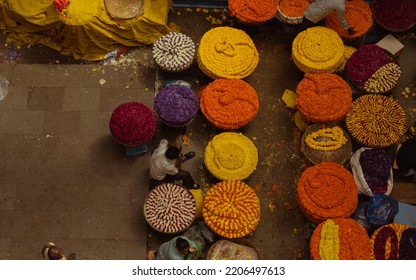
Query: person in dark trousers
pixel 165 166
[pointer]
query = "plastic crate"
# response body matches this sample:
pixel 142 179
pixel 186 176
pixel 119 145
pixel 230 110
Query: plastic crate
pixel 137 150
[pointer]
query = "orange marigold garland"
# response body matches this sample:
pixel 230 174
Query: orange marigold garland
pixel 340 239
pixel 358 15
pixel 229 104
pixel 323 97
pixel 231 209
pixel 327 190
pixel 252 11
pixel 293 8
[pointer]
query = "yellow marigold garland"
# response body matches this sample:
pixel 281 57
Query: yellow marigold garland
pixel 231 209
pixel 348 51
pixel 231 155
pixel 317 50
pixel 335 134
pixel 329 242
pixel 226 52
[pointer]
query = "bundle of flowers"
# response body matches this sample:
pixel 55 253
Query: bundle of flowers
pixel 384 79
pixel 365 62
pixel 231 155
pixel 394 242
pixel 226 52
pixel 358 15
pixel 326 191
pixel 348 51
pixel 340 239
pixel 169 208
pixel 133 124
pixel 174 52
pixel 252 12
pixel 376 166
pixel 395 15
pixel 176 105
pixel 376 120
pixel 231 209
pixel 323 97
pixel 317 50
pixel 326 139
pixel 229 104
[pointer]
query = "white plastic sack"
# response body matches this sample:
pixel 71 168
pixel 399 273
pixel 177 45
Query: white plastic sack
pixel 4 87
pixel 362 185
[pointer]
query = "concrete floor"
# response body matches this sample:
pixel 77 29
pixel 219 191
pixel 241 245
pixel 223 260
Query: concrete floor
pixel 64 179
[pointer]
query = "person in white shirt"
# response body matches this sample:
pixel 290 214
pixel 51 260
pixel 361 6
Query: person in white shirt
pixel 165 166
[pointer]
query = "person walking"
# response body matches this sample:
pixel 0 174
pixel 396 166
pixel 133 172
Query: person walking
pixel 51 252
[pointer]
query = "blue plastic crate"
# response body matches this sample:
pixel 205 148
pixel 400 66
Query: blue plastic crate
pixel 137 150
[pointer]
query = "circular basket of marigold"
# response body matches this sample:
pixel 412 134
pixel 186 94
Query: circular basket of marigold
pixel 394 242
pixel 176 105
pixel 226 52
pixel 317 50
pixel 231 155
pixel 229 104
pixel 348 51
pixel 326 191
pixel 252 12
pixel 376 121
pixel 291 11
pixel 358 15
pixel 231 209
pixel 395 15
pixel 133 124
pixel 323 97
pixel 340 239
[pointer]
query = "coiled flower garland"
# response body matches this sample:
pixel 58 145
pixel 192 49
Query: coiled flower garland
pixel 334 133
pixel 252 11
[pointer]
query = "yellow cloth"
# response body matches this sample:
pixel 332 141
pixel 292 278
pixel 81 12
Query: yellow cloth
pixel 84 29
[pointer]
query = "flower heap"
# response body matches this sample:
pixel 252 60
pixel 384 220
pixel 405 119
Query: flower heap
pixel 176 105
pixel 231 155
pixel 318 140
pixel 376 120
pixel 169 208
pixel 365 62
pixel 394 242
pixel 340 239
pixel 358 15
pixel 229 104
pixel 348 51
pixel 396 15
pixel 291 11
pixel 174 52
pixel 226 52
pixel 231 209
pixel 317 50
pixel 252 12
pixel 323 97
pixel 133 124
pixel 326 191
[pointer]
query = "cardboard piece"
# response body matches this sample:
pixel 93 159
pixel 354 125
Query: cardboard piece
pixel 391 44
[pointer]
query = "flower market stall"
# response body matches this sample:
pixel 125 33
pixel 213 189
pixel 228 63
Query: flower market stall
pixel 252 12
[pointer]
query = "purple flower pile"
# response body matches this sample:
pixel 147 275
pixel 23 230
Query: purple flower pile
pixel 133 124
pixel 397 15
pixel 376 166
pixel 176 105
pixel 365 62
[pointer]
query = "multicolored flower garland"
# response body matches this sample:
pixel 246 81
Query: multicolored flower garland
pixel 133 124
pixel 323 97
pixel 395 15
pixel 317 50
pixel 358 15
pixel 334 133
pixel 229 104
pixel 326 191
pixel 376 120
pixel 231 209
pixel 394 242
pixel 176 105
pixel 340 239
pixel 252 12
pixel 231 155
pixel 226 52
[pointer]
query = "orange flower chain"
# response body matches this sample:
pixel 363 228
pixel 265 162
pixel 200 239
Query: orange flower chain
pixel 327 190
pixel 358 15
pixel 323 97
pixel 340 239
pixel 231 209
pixel 252 11
pixel 293 8
pixel 229 104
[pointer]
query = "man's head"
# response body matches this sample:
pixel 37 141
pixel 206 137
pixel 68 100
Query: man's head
pixel 172 152
pixel 182 245
pixel 55 253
